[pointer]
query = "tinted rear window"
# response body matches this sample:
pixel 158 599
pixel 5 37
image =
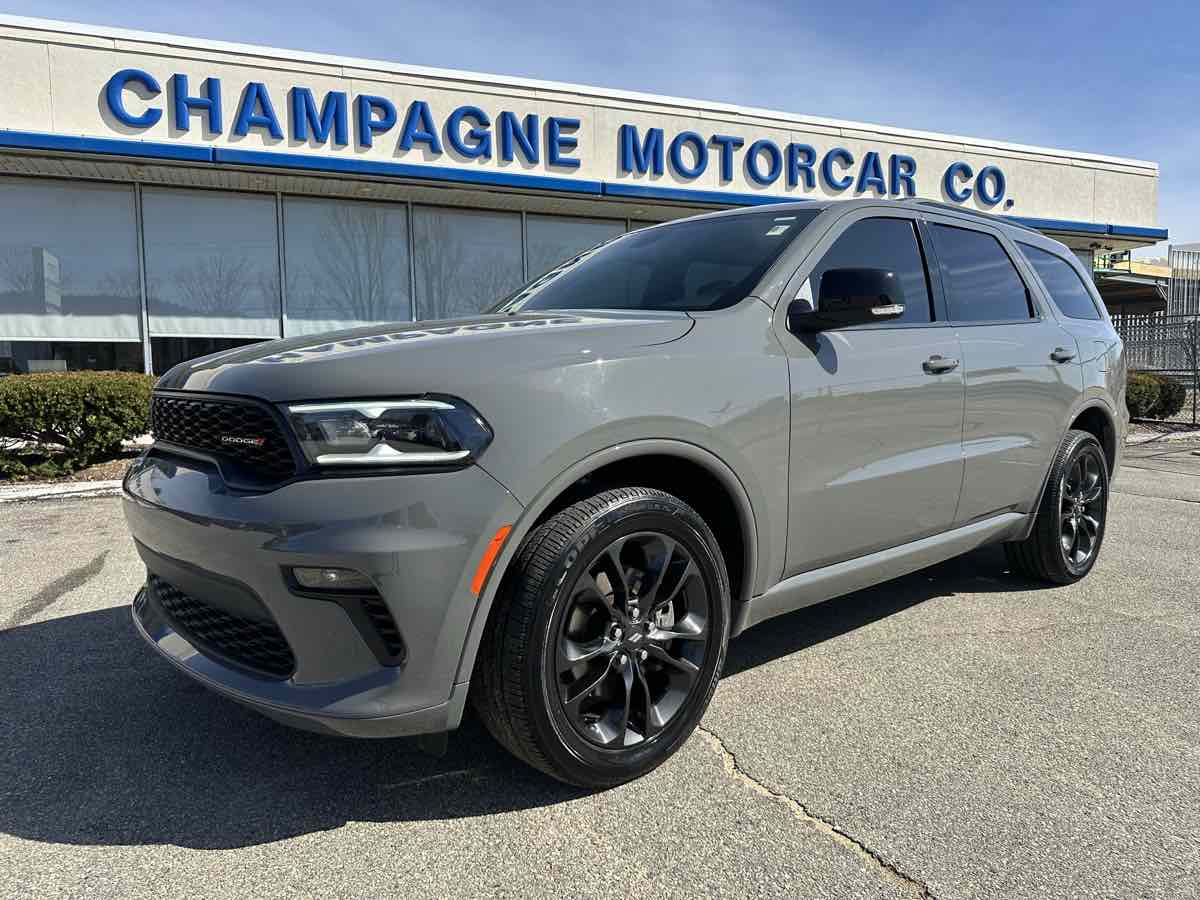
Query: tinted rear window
pixel 692 265
pixel 1066 288
pixel 981 281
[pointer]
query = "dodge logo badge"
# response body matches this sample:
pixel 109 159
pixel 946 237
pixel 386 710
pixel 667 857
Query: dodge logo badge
pixel 244 441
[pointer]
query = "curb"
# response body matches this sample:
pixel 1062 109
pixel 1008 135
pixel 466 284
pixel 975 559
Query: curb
pixel 1134 440
pixel 29 492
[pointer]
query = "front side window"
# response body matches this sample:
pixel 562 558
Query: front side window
pixel 889 244
pixel 1066 288
pixel 701 264
pixel 981 281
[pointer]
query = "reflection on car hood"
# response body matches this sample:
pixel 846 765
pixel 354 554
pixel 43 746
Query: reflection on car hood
pixel 406 357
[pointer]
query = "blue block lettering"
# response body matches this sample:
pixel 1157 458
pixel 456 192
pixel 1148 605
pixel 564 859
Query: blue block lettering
pixel 515 137
pixel 333 117
pixel 210 103
pixel 366 108
pixel 637 156
pixel 846 159
pixel 699 149
pixel 727 144
pixel 418 127
pixel 559 143
pixel 257 111
pixel 113 96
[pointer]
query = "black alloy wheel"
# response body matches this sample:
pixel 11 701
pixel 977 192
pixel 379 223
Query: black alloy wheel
pixel 1065 540
pixel 1081 507
pixel 632 640
pixel 606 639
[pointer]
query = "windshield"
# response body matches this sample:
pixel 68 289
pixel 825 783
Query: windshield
pixel 699 264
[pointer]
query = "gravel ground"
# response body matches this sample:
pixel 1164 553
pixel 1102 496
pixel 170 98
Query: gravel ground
pixel 955 733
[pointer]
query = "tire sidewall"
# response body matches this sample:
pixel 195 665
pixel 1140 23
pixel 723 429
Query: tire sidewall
pixel 1082 443
pixel 571 750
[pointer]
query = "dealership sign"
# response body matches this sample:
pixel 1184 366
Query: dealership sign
pixel 472 132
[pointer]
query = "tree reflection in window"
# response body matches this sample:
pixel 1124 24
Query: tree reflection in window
pixel 347 264
pixel 466 260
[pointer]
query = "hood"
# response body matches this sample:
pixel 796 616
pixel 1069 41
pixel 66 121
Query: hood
pixel 420 357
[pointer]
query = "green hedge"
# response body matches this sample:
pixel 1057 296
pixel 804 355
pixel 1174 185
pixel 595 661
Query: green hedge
pixel 1171 397
pixel 56 423
pixel 1141 394
pixel 1152 396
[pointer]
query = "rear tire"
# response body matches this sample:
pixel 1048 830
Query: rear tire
pixel 607 639
pixel 1066 537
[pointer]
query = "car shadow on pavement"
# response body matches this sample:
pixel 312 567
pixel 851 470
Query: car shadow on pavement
pixel 103 743
pixel 982 571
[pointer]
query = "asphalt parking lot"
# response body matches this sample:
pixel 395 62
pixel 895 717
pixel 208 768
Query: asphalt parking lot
pixel 956 733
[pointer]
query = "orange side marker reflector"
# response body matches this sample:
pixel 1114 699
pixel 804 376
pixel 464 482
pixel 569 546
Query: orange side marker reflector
pixel 489 557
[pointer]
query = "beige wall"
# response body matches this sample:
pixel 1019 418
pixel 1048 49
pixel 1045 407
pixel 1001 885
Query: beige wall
pixel 54 78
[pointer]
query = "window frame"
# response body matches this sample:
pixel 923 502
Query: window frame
pixel 1087 285
pixel 1018 262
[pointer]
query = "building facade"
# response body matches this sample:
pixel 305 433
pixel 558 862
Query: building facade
pixel 165 197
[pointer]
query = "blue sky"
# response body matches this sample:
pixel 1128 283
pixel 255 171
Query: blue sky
pixel 1097 76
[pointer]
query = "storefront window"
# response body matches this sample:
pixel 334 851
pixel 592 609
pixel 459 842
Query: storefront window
pixel 68 262
pixel 551 239
pixel 20 357
pixel 212 264
pixel 466 260
pixel 346 263
pixel 168 352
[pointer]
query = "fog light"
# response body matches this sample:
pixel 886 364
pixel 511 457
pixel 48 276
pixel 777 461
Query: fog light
pixel 331 579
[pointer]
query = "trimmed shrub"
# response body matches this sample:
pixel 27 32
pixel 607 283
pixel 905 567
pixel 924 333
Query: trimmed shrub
pixel 55 423
pixel 1171 397
pixel 1141 394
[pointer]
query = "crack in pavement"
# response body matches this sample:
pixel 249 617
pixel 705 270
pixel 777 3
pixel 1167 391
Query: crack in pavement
pixel 1158 497
pixel 473 773
pixel 871 858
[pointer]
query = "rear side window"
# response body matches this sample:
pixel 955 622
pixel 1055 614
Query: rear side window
pixel 1066 288
pixel 981 282
pixel 883 244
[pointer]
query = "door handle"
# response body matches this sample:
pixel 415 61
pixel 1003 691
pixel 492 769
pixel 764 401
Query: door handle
pixel 1062 355
pixel 936 365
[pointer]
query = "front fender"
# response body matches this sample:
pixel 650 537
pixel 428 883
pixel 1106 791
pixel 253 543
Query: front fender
pixel 533 510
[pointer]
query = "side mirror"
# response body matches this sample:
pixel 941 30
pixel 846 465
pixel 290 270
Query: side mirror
pixel 848 297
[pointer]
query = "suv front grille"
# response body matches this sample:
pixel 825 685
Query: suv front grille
pixel 243 433
pixel 256 645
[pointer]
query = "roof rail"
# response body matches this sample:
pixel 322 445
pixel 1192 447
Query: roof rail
pixel 979 214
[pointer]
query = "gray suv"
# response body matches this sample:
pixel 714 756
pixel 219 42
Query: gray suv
pixel 562 510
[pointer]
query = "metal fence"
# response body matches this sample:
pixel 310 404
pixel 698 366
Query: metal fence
pixel 1183 298
pixel 1168 346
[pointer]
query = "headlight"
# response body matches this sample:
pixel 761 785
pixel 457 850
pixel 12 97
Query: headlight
pixel 419 432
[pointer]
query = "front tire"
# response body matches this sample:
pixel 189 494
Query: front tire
pixel 608 638
pixel 1066 538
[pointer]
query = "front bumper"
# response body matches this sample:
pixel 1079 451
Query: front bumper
pixel 418 537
